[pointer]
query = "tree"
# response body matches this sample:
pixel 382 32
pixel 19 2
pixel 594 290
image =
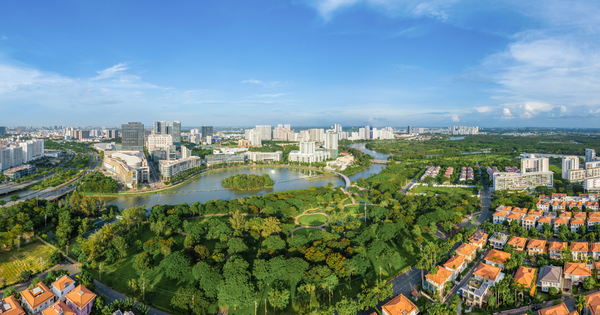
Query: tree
pixel 237 222
pixel 208 278
pixel 121 246
pixel 144 262
pixel 236 246
pixel 580 302
pixel 10 291
pixel 176 266
pixel 270 226
pixel 236 290
pixel 279 299
pixel 191 300
pixel 370 297
pixel 346 307
pixel 14 198
pixel 553 291
pixel 133 215
pixel 589 283
pixel 331 282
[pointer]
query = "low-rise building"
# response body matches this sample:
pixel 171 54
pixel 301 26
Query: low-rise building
pixel 496 258
pixel 10 306
pixel 130 167
pixel 19 171
pixel 62 286
pixel 535 212
pixel 591 206
pixel 81 300
pixel 170 168
pixel 559 205
pixel 517 243
pixel 595 250
pixel 579 250
pixel 59 308
pixel 550 276
pixel 498 240
pixel 560 221
pixel 264 156
pixel 437 282
pixel 592 304
pixel 467 250
pixel 513 216
pixel 592 221
pixel 400 305
pixel 536 247
pixel 225 159
pixel 37 299
pixel 576 273
pixel 499 217
pixel 478 239
pixel 488 273
pixel 541 221
pixel 576 223
pixel 526 277
pixel 560 309
pixel 456 265
pixel 475 291
pixel 528 222
pixel 556 250
pixel 543 205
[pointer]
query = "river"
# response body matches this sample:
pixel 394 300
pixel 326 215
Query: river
pixel 208 186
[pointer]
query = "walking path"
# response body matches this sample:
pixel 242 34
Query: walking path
pixel 320 227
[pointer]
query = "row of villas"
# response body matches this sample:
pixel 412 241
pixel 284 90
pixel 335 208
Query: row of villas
pixel 62 298
pixel 537 218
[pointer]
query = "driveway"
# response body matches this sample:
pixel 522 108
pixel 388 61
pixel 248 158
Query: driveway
pixel 406 282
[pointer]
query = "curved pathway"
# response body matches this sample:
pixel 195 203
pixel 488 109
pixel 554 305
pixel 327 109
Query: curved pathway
pixel 344 177
pixel 320 227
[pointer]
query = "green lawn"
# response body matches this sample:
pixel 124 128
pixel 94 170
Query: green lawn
pixel 12 263
pixel 557 169
pixel 305 231
pixel 312 219
pixel 438 190
pixel 121 271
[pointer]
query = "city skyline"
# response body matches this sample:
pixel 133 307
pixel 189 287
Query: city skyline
pixel 320 62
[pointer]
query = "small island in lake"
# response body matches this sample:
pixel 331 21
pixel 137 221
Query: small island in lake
pixel 247 182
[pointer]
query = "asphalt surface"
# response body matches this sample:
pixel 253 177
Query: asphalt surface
pixel 112 295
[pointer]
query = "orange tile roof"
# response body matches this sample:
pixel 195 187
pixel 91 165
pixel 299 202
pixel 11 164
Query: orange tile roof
pixel 399 305
pixel 478 238
pixel 62 283
pixel 580 246
pixel 35 301
pixel 515 216
pixel 519 210
pixel 580 221
pixel 593 302
pixel 80 296
pixel 58 308
pixel 591 204
pixel 487 272
pixel 15 307
pixel 575 204
pixel 562 220
pixel 497 256
pixel 440 277
pixel 593 220
pixel 557 203
pixel 594 215
pixel 545 220
pixel 580 215
pixel 500 214
pixel 536 212
pixel 558 195
pixel 529 218
pixel 595 247
pixel 518 242
pixel 565 214
pixel 455 262
pixel 536 244
pixel 525 276
pixel 560 309
pixel 557 246
pixel 466 249
pixel 577 269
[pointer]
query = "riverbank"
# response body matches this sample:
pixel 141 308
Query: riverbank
pixel 325 175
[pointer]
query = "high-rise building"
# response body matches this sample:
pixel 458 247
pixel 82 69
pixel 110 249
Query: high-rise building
pixel 265 132
pixel 307 147
pixel 195 131
pixel 2 131
pixel 207 131
pixel 132 136
pixel 534 165
pixel 185 152
pixel 367 132
pixel 590 155
pixel 331 143
pixel 158 141
pixel 337 128
pixel 317 135
pixel 32 149
pixel 255 138
pixel 569 163
pixel 172 128
pixel 409 130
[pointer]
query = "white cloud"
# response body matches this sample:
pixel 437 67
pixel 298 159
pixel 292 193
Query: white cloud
pixel 272 95
pixel 4 37
pixel 416 8
pixel 269 84
pixel 484 109
pixel 506 113
pixel 455 118
pixel 111 72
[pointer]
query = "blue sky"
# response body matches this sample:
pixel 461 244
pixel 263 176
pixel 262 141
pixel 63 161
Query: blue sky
pixel 313 62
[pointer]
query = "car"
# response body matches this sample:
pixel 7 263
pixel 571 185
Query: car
pixel 536 308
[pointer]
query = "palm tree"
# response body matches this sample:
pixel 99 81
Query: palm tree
pixel 580 303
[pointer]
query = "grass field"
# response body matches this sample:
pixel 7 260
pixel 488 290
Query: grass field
pixel 312 219
pixel 438 190
pixel 557 169
pixel 360 209
pixel 12 263
pixel 305 231
pixel 121 271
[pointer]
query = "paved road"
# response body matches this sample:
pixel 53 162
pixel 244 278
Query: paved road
pixel 406 282
pixel 467 277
